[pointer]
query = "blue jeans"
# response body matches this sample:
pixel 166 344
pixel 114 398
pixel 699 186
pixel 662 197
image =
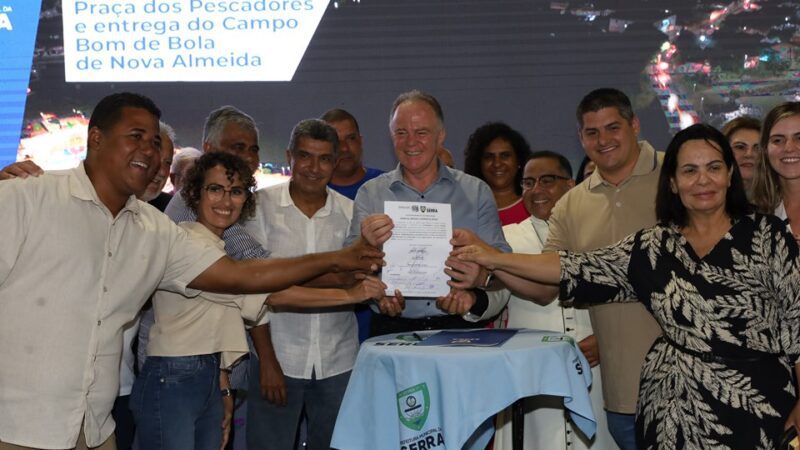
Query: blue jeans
pixel 271 427
pixel 623 429
pixel 176 403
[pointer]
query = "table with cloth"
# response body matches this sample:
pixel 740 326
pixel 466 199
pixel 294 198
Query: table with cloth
pixel 406 396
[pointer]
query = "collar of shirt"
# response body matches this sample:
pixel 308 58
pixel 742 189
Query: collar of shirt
pixel 445 175
pixel 780 211
pixel 80 186
pixel 287 201
pixel 645 164
pixel 541 228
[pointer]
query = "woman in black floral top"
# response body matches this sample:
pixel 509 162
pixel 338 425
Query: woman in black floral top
pixel 722 282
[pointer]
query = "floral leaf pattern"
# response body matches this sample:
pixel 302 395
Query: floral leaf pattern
pixel 740 302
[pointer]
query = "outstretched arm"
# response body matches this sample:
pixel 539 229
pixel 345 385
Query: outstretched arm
pixel 539 291
pixel 271 275
pixel 544 268
pixel 305 297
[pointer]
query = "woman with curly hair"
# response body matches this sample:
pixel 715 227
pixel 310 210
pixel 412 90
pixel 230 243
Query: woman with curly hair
pixel 495 153
pixel 182 398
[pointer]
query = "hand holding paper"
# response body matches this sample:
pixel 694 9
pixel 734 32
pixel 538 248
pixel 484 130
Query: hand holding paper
pixel 418 248
pixel 377 229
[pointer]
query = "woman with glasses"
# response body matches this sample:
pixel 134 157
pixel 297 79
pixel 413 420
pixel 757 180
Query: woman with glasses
pixel 743 133
pixel 182 398
pixel 495 153
pixel 723 283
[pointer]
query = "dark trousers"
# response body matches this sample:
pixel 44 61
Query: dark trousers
pixel 125 426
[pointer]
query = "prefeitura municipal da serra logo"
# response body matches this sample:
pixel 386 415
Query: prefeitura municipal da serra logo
pixel 413 405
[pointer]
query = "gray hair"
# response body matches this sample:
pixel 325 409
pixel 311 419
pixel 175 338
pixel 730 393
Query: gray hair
pixel 315 129
pixel 419 96
pixel 183 154
pixel 220 117
pixel 168 130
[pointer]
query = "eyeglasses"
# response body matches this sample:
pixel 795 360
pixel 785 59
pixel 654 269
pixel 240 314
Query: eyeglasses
pixel 544 181
pixel 217 192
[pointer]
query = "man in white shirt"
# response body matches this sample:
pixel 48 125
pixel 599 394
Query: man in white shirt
pixel 547 176
pixel 80 257
pixel 316 349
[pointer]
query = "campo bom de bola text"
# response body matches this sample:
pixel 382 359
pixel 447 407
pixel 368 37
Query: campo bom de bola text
pixel 185 60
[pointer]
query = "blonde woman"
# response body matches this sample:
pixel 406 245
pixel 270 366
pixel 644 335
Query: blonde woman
pixel 776 188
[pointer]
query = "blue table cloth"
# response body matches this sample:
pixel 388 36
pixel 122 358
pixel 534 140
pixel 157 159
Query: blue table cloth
pixel 408 397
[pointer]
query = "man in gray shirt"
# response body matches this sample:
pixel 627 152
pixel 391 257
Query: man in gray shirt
pixel 417 130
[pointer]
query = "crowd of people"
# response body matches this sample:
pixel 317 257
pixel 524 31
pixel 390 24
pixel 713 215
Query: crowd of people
pixel 675 273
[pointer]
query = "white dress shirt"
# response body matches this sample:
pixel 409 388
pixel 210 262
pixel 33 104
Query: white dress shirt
pixel 127 374
pixel 547 427
pixel 325 340
pixel 71 276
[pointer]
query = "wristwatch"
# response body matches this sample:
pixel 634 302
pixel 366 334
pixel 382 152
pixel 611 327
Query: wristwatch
pixel 227 392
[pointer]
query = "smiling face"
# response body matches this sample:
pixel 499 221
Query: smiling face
pixel 744 143
pixel 783 148
pixel 218 210
pixel 610 142
pixel 124 158
pixel 312 164
pixel 499 164
pixel 542 197
pixel 157 185
pixel 701 178
pixel 417 135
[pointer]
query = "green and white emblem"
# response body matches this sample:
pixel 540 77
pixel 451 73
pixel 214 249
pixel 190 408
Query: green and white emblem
pixel 562 338
pixel 413 405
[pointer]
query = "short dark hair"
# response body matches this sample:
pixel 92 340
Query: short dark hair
pixel 315 129
pixel 417 95
pixel 669 208
pixel 483 136
pixel 234 166
pixel 605 98
pixel 566 167
pixel 579 177
pixel 741 123
pixel 108 110
pixel 339 115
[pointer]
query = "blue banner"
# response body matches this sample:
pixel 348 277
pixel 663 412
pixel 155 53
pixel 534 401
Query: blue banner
pixel 19 20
